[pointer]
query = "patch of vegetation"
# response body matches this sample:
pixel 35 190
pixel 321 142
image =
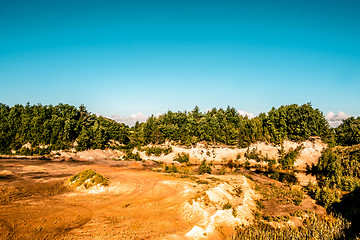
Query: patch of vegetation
pixel 281 194
pixel 313 227
pixel 287 159
pixel 255 154
pixel 200 181
pixel 204 168
pixel 62 125
pixel 233 212
pixel 129 156
pixel 157 151
pixel 238 191
pixel 338 170
pixel 222 171
pixel 227 206
pixel 260 204
pixel 269 218
pixel 87 178
pixel 323 195
pixel 285 177
pixel 348 133
pixel 182 157
pixel 171 169
pixel 297 213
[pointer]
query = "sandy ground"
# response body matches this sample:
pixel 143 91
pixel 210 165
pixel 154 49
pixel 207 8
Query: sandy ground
pixel 137 204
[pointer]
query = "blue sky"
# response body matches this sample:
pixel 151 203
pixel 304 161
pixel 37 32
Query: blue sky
pixel 128 57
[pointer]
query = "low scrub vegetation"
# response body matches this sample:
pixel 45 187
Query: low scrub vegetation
pixel 157 151
pixel 182 157
pixel 313 227
pixel 129 156
pixel 287 159
pixel 271 192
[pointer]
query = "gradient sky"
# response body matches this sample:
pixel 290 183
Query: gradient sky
pixel 129 57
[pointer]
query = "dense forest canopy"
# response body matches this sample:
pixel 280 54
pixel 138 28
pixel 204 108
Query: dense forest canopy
pixel 63 126
pixel 57 127
pixel 348 133
pixel 229 127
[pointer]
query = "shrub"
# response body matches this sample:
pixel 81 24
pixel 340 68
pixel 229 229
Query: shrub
pixel 227 206
pixel 132 156
pixel 204 168
pixel 254 154
pixel 171 169
pixel 222 171
pixel 182 157
pixel 287 159
pixel 157 151
pixel 323 195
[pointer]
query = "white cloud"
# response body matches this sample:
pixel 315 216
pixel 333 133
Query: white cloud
pixel 336 119
pixel 130 120
pixel 244 114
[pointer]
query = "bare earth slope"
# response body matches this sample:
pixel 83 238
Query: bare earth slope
pixel 137 204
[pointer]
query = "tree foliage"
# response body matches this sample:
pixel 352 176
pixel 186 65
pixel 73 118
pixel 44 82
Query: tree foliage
pixel 348 133
pixel 58 127
pixel 228 127
pixel 46 128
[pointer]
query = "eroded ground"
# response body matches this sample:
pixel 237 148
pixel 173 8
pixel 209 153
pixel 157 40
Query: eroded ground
pixel 137 204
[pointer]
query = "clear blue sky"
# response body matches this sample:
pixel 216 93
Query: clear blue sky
pixel 125 57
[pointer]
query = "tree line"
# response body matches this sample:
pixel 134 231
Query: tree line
pixel 63 126
pixel 228 127
pixel 49 127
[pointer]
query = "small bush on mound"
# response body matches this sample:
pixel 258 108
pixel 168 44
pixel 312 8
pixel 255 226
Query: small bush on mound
pixel 87 178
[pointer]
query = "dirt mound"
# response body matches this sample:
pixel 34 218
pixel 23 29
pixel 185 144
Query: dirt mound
pixel 87 179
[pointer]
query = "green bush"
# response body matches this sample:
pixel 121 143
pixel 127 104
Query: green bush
pixel 182 157
pixel 171 169
pixel 227 206
pixel 339 168
pixel 204 168
pixel 348 133
pixel 287 159
pixel 222 171
pixel 129 155
pixel 323 195
pixel 157 151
